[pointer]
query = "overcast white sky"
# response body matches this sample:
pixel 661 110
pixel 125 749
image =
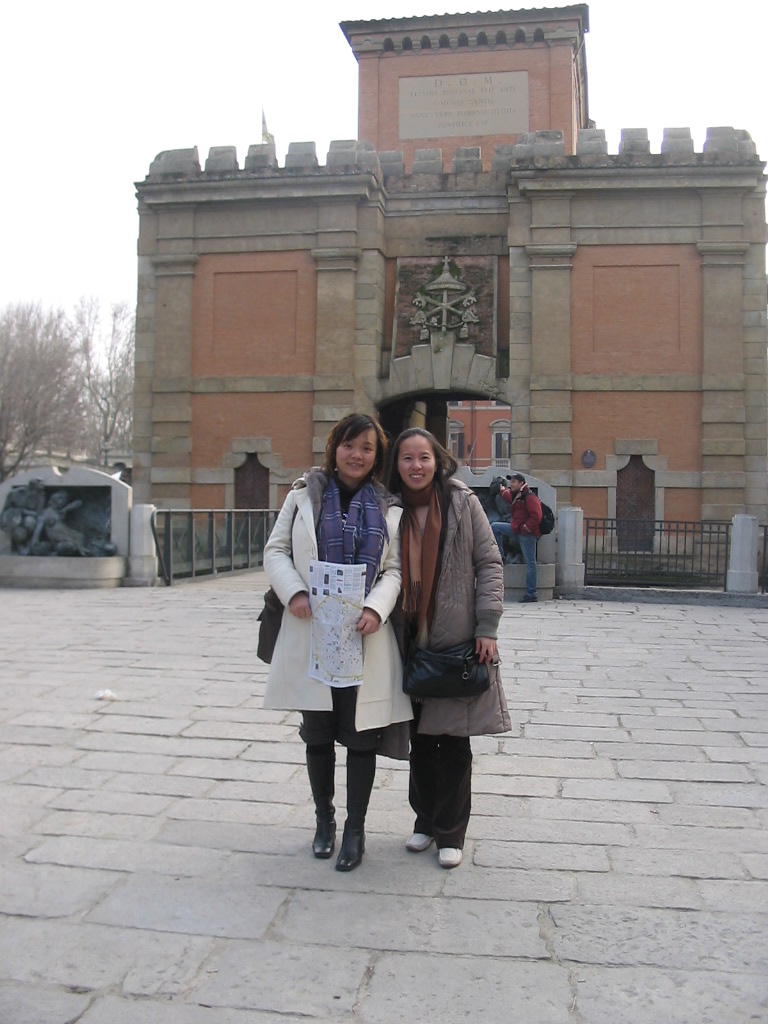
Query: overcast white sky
pixel 92 91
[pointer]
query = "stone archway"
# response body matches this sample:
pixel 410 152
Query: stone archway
pixel 429 411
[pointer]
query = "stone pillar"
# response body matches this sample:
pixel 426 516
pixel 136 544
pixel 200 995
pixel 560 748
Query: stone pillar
pixel 171 442
pixel 370 316
pixel 551 362
pixel 334 339
pixel 142 558
pixel 520 332
pixel 569 567
pixel 742 574
pixel 162 393
pixel 723 412
pixel 144 362
pixel 755 368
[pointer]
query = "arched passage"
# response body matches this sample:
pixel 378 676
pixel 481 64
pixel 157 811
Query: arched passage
pixel 476 430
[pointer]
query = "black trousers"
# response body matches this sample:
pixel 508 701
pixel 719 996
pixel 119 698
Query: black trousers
pixel 440 785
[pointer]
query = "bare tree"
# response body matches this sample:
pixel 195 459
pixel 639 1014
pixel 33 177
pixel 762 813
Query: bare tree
pixel 107 360
pixel 40 390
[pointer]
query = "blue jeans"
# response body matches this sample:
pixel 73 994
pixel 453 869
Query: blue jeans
pixel 525 543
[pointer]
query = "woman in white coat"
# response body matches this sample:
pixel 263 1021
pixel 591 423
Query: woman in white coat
pixel 340 513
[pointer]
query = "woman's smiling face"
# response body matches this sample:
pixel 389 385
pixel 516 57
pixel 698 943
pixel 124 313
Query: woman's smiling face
pixel 416 462
pixel 355 458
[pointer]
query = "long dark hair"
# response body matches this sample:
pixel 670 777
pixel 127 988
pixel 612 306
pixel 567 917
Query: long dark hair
pixel 446 465
pixel 348 429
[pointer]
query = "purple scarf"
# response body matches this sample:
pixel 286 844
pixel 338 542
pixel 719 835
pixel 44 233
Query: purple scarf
pixel 358 538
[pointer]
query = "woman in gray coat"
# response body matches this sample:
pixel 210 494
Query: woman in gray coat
pixel 453 591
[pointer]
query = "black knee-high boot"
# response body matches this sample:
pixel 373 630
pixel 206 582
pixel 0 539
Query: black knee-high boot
pixel 321 765
pixel 361 769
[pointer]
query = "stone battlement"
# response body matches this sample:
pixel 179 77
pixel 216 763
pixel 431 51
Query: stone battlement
pixel 540 150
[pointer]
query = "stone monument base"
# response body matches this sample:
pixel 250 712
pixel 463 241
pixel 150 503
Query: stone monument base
pixel 61 573
pixel 514 581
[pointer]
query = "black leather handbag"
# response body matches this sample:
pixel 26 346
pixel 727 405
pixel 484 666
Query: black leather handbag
pixel 452 672
pixel 271 620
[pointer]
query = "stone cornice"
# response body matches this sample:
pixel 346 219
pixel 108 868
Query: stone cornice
pixel 175 264
pixel 253 385
pixel 555 24
pixel 551 249
pixel 613 176
pixel 336 258
pixel 716 253
pixel 252 188
pixel 716 248
pixel 551 255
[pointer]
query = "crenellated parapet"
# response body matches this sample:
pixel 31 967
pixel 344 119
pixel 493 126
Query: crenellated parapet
pixel 724 146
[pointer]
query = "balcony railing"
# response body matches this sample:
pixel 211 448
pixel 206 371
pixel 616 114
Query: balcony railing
pixel 480 465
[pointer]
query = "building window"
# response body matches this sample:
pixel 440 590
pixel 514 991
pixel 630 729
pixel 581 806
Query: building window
pixel 456 444
pixel 501 446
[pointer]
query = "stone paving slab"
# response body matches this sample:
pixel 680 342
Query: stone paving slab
pixel 155 845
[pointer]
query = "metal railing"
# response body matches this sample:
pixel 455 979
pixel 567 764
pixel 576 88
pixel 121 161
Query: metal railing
pixel 620 552
pixel 656 553
pixel 204 542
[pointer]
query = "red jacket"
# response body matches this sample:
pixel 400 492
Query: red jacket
pixel 525 510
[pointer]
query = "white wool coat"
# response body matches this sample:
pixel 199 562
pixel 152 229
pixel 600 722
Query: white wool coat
pixel 288 552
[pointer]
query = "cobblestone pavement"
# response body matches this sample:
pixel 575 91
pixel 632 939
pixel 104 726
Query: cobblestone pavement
pixel 155 843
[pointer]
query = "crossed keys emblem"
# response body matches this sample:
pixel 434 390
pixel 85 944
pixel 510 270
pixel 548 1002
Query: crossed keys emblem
pixel 443 305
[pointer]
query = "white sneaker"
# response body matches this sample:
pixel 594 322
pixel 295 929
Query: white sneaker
pixel 419 842
pixel 449 857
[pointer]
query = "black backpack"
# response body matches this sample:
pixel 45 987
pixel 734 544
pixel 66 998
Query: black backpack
pixel 547 523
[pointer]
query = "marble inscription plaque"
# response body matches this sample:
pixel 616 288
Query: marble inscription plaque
pixel 458 105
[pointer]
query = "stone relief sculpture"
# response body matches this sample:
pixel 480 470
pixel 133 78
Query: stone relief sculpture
pixel 446 301
pixel 36 522
pixel 444 304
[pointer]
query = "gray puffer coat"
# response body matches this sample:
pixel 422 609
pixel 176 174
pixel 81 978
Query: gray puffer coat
pixel 468 603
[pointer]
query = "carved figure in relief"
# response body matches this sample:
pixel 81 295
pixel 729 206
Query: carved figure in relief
pixel 19 517
pixel 50 525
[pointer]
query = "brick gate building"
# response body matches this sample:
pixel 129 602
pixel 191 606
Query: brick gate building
pixel 478 242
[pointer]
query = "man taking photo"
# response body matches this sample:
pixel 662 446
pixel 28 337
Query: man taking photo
pixel 522 531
